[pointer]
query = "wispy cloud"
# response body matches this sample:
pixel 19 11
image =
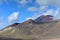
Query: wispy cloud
pixel 49 12
pixel 43 9
pixel 49 2
pixel 39 11
pixel 42 2
pixel 32 9
pixel 13 16
pixel 33 16
pixel 22 3
pixel 29 18
pixel 57 14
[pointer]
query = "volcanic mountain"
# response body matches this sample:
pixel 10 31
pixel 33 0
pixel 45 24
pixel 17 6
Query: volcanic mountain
pixel 33 29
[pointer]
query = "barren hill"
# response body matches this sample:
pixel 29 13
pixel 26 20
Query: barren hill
pixel 31 29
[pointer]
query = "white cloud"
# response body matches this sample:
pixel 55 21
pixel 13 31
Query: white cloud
pixel 42 2
pixel 47 2
pixel 22 2
pixel 32 9
pixel 13 16
pixel 29 18
pixel 33 16
pixel 49 12
pixel 39 11
pixel 56 12
pixel 42 9
pixel 54 2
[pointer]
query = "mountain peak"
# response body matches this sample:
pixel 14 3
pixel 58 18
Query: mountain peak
pixel 44 18
pixel 30 21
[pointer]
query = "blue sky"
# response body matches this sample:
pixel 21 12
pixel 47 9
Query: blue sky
pixel 21 10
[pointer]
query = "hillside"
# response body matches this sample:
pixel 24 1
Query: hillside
pixel 31 29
